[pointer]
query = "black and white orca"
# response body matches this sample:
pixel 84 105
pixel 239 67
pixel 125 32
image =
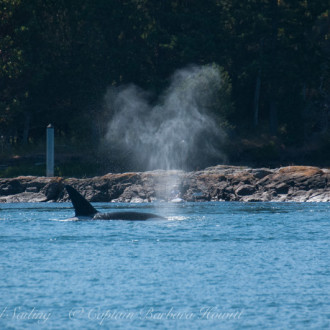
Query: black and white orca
pixel 84 210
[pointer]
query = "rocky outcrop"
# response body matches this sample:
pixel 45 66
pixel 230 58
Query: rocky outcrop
pixel 218 183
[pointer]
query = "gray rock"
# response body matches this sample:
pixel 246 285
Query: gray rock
pixel 24 197
pixel 245 190
pixel 218 183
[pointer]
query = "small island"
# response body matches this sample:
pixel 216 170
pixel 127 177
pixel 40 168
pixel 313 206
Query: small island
pixel 217 183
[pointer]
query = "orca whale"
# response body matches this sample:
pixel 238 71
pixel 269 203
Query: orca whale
pixel 83 209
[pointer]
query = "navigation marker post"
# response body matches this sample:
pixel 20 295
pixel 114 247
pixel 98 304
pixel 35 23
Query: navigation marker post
pixel 50 151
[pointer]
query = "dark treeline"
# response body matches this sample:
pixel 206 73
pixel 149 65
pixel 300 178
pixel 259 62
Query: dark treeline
pixel 57 59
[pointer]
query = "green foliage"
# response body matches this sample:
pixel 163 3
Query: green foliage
pixel 25 170
pixel 57 59
pixel 67 169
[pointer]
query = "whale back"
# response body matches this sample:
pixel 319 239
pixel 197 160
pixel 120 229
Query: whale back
pixel 132 216
pixel 84 209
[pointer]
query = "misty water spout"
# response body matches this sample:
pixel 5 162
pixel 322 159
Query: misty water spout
pixel 174 130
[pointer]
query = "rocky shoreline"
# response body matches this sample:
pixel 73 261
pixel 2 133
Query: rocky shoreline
pixel 218 183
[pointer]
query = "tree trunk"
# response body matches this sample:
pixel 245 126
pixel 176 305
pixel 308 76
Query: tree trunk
pixel 26 129
pixel 273 123
pixel 256 100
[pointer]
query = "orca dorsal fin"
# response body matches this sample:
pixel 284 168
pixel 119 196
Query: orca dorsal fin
pixel 81 206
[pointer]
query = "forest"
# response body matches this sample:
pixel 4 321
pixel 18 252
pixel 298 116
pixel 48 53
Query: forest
pixel 59 58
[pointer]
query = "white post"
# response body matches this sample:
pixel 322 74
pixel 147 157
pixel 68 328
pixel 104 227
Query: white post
pixel 50 151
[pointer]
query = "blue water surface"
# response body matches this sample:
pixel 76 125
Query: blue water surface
pixel 209 266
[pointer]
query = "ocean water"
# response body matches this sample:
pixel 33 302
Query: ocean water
pixel 209 266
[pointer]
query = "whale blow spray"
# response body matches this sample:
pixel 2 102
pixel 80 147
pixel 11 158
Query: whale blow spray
pixel 176 132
